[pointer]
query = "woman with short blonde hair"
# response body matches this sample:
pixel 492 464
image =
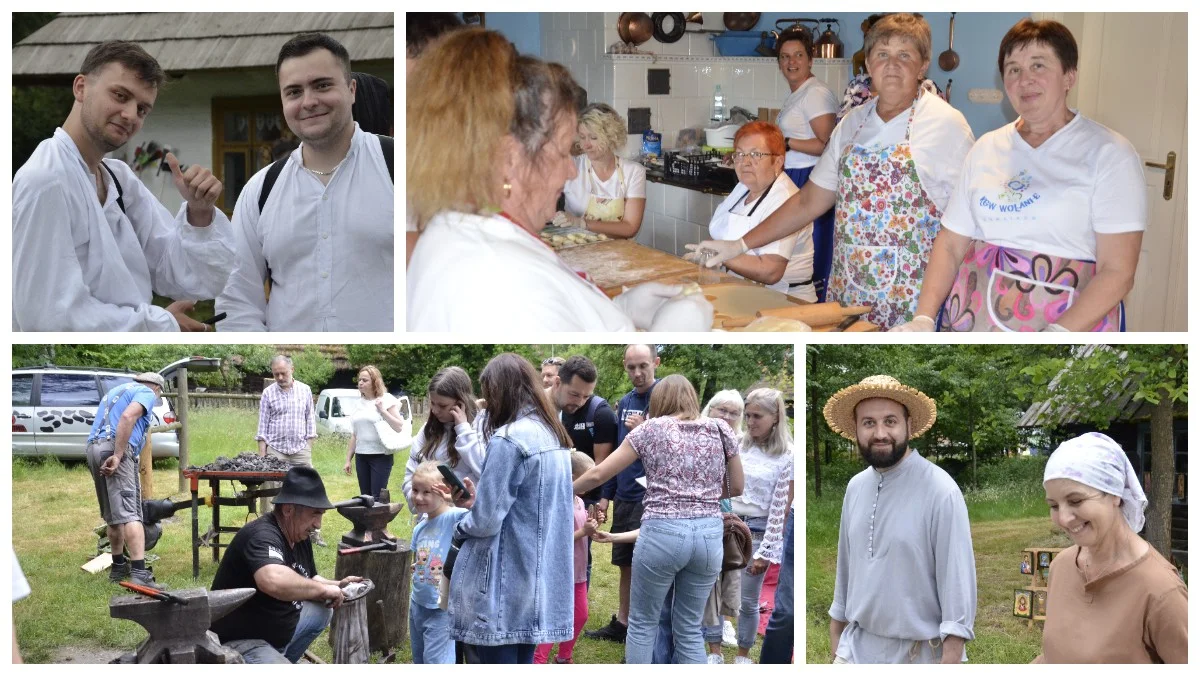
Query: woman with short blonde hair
pixel 608 195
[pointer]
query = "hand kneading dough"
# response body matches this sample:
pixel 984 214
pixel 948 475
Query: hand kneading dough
pixel 691 313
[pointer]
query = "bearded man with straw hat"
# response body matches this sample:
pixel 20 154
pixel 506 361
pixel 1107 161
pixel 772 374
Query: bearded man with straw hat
pixel 905 585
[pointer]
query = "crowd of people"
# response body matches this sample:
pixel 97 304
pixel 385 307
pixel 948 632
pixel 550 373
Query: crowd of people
pixel 894 205
pixel 502 557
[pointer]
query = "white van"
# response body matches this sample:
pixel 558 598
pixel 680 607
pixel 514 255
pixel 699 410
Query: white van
pixel 335 406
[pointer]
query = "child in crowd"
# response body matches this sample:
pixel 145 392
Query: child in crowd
pixel 429 626
pixel 585 527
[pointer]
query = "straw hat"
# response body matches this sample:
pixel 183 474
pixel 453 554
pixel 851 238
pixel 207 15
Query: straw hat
pixel 839 411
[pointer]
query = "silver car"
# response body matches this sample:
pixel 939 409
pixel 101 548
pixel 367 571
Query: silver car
pixel 53 408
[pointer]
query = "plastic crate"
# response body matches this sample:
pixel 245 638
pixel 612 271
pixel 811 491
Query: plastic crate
pixel 740 43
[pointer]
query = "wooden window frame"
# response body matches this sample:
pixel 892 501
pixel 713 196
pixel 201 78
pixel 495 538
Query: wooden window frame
pixel 251 105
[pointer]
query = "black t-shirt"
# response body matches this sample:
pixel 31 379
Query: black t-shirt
pixel 602 429
pixel 255 546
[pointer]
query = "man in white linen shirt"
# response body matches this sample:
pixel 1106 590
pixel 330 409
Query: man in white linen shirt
pixel 323 241
pixel 90 243
pixel 287 422
pixel 905 585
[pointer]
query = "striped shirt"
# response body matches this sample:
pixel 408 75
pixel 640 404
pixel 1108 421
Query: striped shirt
pixel 286 418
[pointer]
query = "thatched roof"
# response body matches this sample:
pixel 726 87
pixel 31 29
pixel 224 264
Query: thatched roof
pixel 195 41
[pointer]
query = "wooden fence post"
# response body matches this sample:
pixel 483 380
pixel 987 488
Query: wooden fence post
pixel 146 467
pixel 181 413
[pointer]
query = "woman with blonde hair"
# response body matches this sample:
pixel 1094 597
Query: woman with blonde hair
pixel 452 433
pixel 373 461
pixel 488 153
pixel 768 464
pixel 686 459
pixel 608 194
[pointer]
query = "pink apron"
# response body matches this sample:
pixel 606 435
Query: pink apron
pixel 885 225
pixel 1008 289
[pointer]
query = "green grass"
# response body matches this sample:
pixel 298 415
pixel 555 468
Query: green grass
pixel 1004 520
pixel 54 511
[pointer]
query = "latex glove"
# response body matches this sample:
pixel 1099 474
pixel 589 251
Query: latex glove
pixel 643 301
pixel 564 219
pixel 1055 328
pixel 722 251
pixel 919 324
pixel 690 313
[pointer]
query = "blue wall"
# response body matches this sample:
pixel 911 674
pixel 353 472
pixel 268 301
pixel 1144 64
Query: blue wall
pixel 524 29
pixel 977 38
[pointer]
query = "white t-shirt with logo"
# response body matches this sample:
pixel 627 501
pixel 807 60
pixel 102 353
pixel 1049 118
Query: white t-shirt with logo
pixel 812 99
pixel 940 140
pixel 586 183
pixel 1053 199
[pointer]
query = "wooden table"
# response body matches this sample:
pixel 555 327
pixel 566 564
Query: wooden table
pixel 617 263
pixel 212 538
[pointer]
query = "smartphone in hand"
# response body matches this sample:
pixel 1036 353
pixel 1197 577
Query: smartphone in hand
pixel 212 320
pixel 453 480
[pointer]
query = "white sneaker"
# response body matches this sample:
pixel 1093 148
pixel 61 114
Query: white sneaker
pixel 743 660
pixel 728 635
pixel 714 659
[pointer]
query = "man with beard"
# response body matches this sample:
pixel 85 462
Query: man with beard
pixel 905 586
pixel 273 554
pixel 588 418
pixel 315 230
pixel 91 245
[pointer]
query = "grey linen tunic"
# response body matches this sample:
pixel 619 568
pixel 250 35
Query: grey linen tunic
pixel 905 566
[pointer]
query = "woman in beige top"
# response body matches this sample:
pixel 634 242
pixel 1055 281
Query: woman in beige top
pixel 1112 597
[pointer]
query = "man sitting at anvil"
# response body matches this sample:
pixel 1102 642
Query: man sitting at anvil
pixel 293 604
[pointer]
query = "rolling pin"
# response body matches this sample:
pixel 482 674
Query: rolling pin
pixel 813 315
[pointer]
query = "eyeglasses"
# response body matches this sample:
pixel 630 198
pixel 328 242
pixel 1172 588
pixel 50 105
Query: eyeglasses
pixel 553 361
pixel 756 155
pixel 727 412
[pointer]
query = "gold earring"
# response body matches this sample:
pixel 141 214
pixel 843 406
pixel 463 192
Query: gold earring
pixel 507 190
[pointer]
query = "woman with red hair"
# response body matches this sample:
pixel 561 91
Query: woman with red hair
pixel 785 265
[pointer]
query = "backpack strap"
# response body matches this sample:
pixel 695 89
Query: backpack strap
pixel 385 143
pixel 589 418
pixel 120 192
pixel 269 180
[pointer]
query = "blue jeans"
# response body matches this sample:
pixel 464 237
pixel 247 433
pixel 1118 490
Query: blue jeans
pixel 822 235
pixel 429 632
pixel 686 552
pixel 314 619
pixel 778 644
pixel 664 644
pixel 747 627
pixel 505 653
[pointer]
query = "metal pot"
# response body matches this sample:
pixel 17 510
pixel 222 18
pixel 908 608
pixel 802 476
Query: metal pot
pixel 635 27
pixel 741 20
pixel 829 45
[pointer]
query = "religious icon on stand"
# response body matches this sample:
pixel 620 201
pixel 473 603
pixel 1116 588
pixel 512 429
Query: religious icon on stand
pixel 1023 604
pixel 1039 604
pixel 1027 562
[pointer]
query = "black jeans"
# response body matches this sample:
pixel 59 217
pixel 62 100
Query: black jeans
pixel 373 473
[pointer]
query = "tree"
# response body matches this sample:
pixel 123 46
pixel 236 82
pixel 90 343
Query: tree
pixel 1095 382
pixel 37 110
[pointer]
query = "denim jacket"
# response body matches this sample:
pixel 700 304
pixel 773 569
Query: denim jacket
pixel 513 579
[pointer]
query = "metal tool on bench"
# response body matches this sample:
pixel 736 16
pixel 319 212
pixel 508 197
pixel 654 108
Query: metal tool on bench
pixel 369 518
pixel 178 623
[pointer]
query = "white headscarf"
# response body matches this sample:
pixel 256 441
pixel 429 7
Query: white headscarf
pixel 1098 461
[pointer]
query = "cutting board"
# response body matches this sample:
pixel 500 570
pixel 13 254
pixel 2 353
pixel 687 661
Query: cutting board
pixel 623 262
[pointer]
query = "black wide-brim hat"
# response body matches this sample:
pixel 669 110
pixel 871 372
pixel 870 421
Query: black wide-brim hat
pixel 303 486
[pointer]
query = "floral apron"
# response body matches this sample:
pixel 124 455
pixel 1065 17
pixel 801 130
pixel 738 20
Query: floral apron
pixel 600 208
pixel 885 226
pixel 1008 289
